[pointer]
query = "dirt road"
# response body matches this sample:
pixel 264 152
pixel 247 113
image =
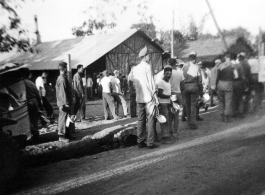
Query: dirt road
pixel 217 158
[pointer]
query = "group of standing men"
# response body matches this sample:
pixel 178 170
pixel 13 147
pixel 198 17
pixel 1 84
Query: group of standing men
pixel 230 80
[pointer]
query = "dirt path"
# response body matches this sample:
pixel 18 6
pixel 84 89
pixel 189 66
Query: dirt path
pixel 217 158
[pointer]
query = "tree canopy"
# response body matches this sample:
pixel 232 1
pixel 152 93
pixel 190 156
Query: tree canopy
pixel 11 34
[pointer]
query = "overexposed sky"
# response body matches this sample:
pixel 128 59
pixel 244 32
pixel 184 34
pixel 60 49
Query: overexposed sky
pixel 57 17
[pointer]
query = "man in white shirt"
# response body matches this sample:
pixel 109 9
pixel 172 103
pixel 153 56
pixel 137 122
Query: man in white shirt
pixel 108 100
pixel 40 81
pixel 117 94
pixel 177 85
pixel 164 93
pixel 146 99
pixel 89 87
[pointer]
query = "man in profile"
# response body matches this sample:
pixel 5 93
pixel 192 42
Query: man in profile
pixel 146 100
pixel 64 102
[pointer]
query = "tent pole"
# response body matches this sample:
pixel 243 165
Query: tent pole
pixel 69 69
pixel 85 85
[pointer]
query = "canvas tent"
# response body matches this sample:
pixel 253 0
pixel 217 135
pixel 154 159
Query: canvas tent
pixel 103 51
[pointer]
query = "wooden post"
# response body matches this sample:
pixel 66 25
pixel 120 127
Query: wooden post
pixel 221 34
pixel 85 85
pixel 172 37
pixel 69 69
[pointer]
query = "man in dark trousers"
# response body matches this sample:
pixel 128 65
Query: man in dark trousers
pixel 80 103
pixel 193 88
pixel 34 103
pixel 64 102
pixel 132 92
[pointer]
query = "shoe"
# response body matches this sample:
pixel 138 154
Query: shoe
pixel 63 139
pixel 199 119
pixel 183 118
pixel 153 146
pixel 141 145
pixel 206 108
pixel 70 137
pixel 193 127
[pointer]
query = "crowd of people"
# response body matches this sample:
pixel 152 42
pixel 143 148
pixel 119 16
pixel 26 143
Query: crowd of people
pixel 188 86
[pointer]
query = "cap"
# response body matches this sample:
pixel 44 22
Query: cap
pixel 193 53
pixel 217 61
pixel 115 71
pixel 143 52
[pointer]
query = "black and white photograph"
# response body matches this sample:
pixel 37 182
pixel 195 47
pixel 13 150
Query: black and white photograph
pixel 132 97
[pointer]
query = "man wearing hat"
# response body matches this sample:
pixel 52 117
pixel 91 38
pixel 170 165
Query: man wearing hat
pixel 117 94
pixel 64 102
pixel 108 100
pixel 193 88
pixel 146 99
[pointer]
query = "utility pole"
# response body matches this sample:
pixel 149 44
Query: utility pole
pixel 221 34
pixel 172 36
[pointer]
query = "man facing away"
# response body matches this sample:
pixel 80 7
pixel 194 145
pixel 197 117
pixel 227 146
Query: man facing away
pixel 213 80
pixel 146 99
pixel 40 81
pixel 193 88
pixel 80 103
pixel 90 87
pixel 132 92
pixel 108 100
pixel 224 82
pixel 117 93
pixel 64 102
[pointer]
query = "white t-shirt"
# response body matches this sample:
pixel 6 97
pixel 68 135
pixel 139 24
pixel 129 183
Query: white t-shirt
pixel 39 83
pixel 89 82
pixel 166 91
pixel 115 82
pixel 105 83
pixel 176 78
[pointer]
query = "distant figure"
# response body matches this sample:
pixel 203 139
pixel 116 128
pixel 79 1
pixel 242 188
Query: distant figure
pixel 108 100
pixel 90 84
pixel 40 81
pixel 224 82
pixel 95 84
pixel 80 102
pixel 117 94
pixel 34 103
pixel 132 92
pixel 64 102
pixel 213 90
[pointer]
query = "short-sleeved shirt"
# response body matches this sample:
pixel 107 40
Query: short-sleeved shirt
pixel 176 78
pixel 89 82
pixel 115 83
pixel 105 83
pixel 166 91
pixel 39 83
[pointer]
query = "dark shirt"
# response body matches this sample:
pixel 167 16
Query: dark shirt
pixel 31 90
pixel 78 85
pixel 246 70
pixel 63 91
pixel 225 72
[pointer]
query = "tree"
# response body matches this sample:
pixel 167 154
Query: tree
pixel 148 28
pixel 238 32
pixel 11 34
pixel 100 17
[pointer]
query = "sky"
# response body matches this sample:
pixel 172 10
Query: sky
pixel 56 18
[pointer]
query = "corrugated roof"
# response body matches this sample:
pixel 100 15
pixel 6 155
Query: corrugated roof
pixel 83 50
pixel 206 47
